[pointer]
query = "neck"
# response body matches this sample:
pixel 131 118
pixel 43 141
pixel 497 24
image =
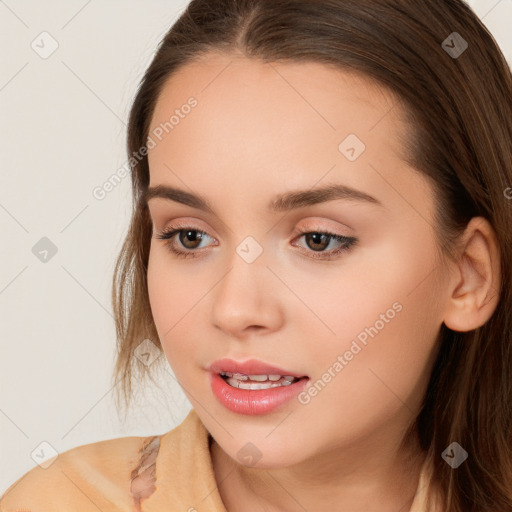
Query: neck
pixel 363 479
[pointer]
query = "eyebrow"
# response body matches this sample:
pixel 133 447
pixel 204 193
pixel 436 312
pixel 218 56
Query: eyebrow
pixel 281 203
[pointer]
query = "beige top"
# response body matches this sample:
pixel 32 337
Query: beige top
pixel 170 472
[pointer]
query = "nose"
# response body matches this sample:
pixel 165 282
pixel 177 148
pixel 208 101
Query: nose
pixel 247 299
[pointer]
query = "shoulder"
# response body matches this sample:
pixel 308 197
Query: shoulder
pixel 104 475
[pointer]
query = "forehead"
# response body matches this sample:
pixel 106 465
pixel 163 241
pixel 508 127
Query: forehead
pixel 277 122
pixel 233 77
pixel 276 91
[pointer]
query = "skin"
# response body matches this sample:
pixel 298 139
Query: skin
pixel 259 130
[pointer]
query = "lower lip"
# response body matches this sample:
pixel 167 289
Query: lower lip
pixel 252 402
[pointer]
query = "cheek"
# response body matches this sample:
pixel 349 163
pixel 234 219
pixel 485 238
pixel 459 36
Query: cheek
pixel 385 319
pixel 389 274
pixel 175 298
pixel 172 292
pixel 386 376
pixel 159 292
pixel 167 296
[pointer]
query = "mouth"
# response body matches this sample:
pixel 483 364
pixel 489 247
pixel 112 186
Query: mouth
pixel 243 381
pixel 253 387
pixel 253 374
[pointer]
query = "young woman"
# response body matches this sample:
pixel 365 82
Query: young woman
pixel 321 247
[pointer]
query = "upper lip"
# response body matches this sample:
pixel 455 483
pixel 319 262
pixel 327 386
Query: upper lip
pixel 250 367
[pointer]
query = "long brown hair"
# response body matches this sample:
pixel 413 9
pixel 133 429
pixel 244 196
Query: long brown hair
pixel 460 111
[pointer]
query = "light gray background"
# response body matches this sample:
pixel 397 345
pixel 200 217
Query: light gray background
pixel 62 123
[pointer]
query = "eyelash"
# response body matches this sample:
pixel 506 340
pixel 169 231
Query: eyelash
pixel 169 233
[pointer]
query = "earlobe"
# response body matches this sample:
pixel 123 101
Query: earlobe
pixel 475 287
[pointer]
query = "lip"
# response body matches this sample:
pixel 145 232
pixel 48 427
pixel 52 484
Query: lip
pixel 252 401
pixel 250 367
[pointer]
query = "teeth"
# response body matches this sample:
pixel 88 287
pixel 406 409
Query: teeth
pixel 256 385
pixel 258 378
pixel 242 381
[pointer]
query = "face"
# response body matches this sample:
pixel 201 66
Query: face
pixel 358 315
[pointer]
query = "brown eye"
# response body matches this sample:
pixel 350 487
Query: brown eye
pixel 187 243
pixel 190 239
pixel 315 242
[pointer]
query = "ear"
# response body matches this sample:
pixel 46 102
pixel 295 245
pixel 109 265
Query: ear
pixel 476 278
